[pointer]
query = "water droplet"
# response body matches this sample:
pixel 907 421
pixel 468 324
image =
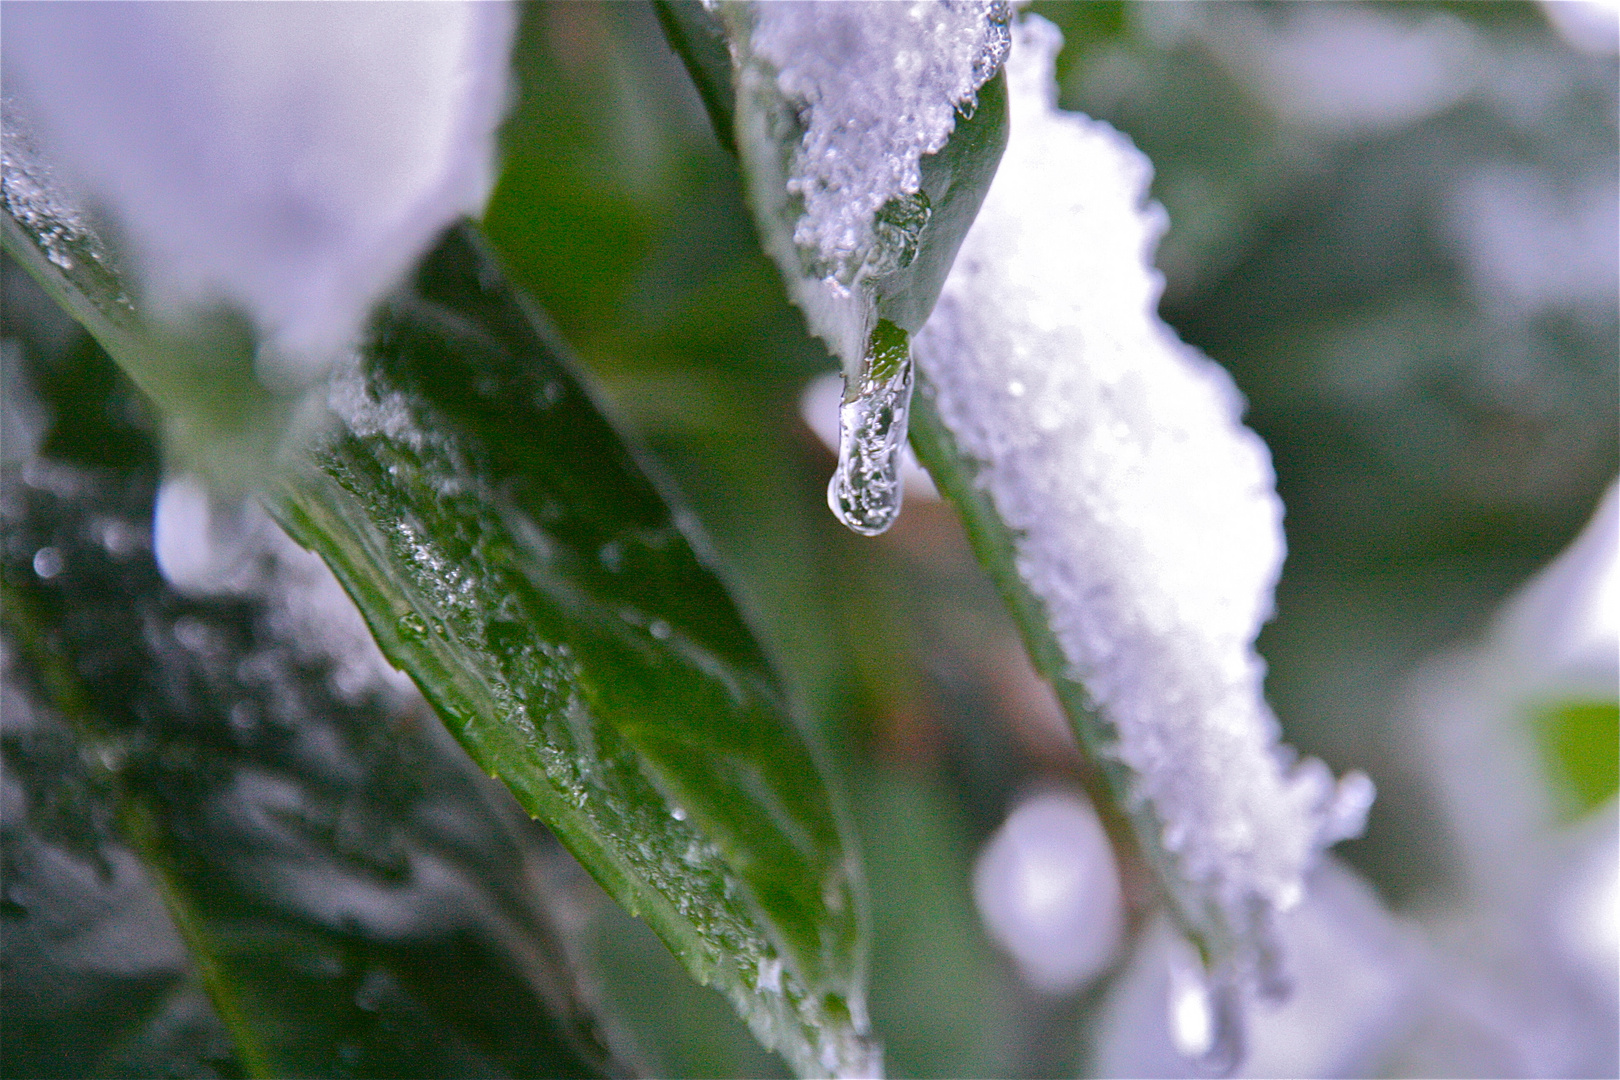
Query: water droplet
pixel 833 888
pixel 678 813
pixel 411 627
pixel 550 392
pixel 109 756
pixel 47 563
pixel 372 991
pixel 119 538
pixel 898 227
pixel 244 716
pixel 659 629
pixel 612 555
pixel 1206 1015
pixel 14 901
pixel 866 491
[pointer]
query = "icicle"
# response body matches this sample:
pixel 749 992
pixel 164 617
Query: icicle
pixel 1205 1014
pixel 866 491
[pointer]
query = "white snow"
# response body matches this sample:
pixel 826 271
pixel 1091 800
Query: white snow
pixel 879 84
pixel 1145 513
pixel 1352 70
pixel 1532 241
pixel 290 159
pixel 1470 709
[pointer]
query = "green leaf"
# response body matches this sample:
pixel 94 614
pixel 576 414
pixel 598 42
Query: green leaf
pixel 1580 741
pixel 700 40
pixel 512 555
pixel 337 878
pixel 924 230
pixel 510 552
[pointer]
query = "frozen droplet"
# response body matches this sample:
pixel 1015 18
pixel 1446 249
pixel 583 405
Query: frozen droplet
pixel 678 813
pixel 412 627
pixel 866 491
pixel 659 629
pixel 1206 1017
pixel 896 233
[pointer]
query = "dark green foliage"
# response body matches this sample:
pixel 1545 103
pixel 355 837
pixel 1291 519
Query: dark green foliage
pixel 352 897
pixel 558 618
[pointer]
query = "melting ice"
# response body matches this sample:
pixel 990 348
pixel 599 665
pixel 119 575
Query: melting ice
pixel 866 490
pixel 837 106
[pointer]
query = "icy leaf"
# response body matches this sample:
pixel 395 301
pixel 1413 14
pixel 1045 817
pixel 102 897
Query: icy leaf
pixel 1102 469
pixel 868 134
pixel 509 552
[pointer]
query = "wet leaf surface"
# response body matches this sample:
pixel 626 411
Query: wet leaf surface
pixel 199 807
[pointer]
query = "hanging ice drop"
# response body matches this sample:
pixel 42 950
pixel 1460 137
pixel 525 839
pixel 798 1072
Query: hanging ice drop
pixel 866 491
pixel 1205 1014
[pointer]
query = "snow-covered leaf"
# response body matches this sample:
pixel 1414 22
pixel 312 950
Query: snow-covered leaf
pixel 254 176
pixel 1128 516
pixel 868 134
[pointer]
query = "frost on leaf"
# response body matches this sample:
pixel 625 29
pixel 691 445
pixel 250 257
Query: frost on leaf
pixel 1143 514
